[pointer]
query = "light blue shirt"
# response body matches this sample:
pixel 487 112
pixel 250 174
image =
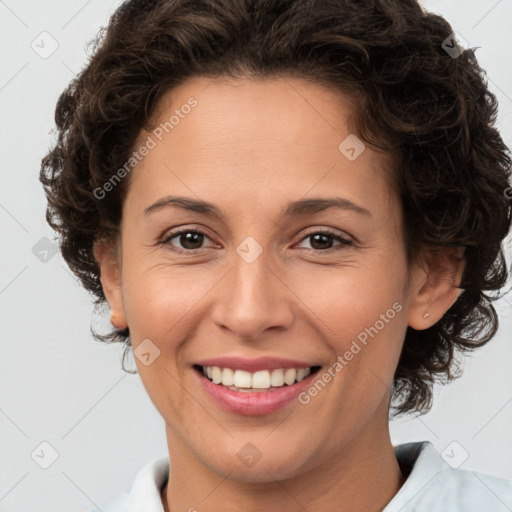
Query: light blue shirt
pixel 432 486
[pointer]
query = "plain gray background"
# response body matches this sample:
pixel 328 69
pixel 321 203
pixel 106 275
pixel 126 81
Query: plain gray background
pixel 58 386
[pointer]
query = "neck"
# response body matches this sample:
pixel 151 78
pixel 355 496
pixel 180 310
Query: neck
pixel 363 475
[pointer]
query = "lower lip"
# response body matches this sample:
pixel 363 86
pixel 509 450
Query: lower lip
pixel 257 403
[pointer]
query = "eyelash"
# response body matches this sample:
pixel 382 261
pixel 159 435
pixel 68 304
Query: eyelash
pixel 343 241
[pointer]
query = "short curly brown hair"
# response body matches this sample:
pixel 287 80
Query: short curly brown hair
pixel 427 108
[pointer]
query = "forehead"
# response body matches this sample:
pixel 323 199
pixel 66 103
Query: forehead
pixel 245 110
pixel 260 137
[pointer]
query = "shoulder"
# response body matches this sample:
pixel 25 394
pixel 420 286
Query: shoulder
pixel 145 491
pixel 436 486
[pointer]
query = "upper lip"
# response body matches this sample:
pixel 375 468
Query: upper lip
pixel 253 365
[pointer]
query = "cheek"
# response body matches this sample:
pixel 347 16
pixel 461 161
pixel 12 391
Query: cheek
pixel 361 313
pixel 350 299
pixel 157 297
pixel 159 305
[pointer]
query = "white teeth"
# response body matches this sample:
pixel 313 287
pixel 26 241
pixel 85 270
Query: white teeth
pixel 303 373
pixel 242 379
pixel 263 379
pixel 216 375
pixel 289 376
pixel 277 378
pixel 228 377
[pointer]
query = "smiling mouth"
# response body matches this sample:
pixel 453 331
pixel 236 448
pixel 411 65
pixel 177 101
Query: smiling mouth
pixel 250 382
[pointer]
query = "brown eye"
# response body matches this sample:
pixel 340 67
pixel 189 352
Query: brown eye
pixel 188 239
pixel 323 241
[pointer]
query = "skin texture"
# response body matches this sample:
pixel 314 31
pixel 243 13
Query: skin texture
pixel 250 147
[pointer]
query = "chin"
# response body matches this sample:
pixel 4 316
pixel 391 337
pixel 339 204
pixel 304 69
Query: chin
pixel 260 468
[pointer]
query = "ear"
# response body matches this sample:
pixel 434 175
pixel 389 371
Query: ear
pixel 435 286
pixel 106 255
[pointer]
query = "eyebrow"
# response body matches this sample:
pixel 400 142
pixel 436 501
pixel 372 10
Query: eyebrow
pixel 300 207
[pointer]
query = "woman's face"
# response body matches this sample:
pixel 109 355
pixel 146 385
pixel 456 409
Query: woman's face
pixel 275 279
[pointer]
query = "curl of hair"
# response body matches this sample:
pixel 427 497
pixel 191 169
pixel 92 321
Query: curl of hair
pixel 433 114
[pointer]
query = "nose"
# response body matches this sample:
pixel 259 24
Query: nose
pixel 253 298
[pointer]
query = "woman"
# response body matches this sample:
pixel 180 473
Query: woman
pixel 205 154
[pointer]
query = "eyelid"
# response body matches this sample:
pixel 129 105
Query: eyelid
pixel 345 240
pixel 172 233
pixel 328 231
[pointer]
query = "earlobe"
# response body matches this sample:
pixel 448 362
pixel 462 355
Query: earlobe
pixel 117 321
pixel 107 259
pixel 436 287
